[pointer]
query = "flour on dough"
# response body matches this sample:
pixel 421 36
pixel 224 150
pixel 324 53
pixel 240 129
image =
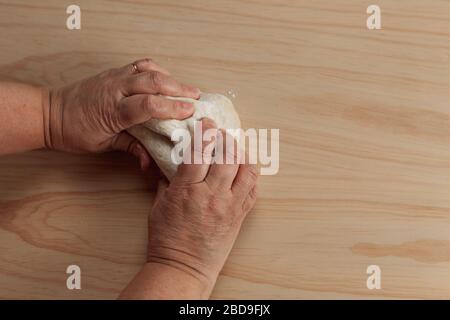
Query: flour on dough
pixel 155 134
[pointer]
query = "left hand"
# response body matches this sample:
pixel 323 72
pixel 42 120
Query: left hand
pixel 93 114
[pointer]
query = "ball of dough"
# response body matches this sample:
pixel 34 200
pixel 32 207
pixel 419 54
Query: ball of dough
pixel 155 134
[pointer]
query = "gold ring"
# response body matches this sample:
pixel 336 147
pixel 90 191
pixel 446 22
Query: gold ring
pixel 135 68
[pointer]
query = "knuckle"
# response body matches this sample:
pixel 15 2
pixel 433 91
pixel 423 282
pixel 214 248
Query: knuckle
pixel 149 103
pixel 146 102
pixel 157 79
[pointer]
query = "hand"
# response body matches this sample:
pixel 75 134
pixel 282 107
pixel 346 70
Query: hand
pixel 91 115
pixel 196 219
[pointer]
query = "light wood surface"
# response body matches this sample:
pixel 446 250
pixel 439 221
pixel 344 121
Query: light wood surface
pixel 364 159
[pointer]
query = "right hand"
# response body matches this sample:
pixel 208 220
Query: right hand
pixel 196 219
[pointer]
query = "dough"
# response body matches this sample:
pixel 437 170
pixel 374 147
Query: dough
pixel 155 134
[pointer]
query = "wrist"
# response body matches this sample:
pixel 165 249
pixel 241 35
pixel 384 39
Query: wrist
pixel 184 284
pixel 195 274
pixel 184 259
pixel 51 107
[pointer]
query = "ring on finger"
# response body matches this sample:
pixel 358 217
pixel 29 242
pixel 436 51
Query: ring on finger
pixel 134 68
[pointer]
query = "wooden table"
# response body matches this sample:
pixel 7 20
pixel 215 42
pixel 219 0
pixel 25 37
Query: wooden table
pixel 365 145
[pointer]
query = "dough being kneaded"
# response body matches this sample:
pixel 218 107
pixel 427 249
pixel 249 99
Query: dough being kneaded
pixel 155 134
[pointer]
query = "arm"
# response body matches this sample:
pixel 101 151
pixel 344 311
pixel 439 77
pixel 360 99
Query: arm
pixel 192 227
pixel 21 117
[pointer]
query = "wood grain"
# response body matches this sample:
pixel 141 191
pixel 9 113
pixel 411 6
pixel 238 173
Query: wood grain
pixel 364 159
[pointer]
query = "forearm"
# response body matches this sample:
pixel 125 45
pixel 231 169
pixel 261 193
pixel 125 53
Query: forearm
pixel 21 117
pixel 160 281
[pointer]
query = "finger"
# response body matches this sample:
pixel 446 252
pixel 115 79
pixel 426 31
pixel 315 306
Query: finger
pixel 155 82
pixel 191 172
pixel 245 180
pixel 250 201
pixel 140 108
pixel 127 143
pixel 143 65
pixel 226 162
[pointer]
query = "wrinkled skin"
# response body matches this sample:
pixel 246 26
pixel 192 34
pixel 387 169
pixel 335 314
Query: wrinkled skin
pixel 196 219
pixel 93 114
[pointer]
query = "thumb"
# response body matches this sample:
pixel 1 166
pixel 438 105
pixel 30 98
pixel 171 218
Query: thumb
pixel 127 143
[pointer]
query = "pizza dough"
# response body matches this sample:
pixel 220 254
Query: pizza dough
pixel 156 134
